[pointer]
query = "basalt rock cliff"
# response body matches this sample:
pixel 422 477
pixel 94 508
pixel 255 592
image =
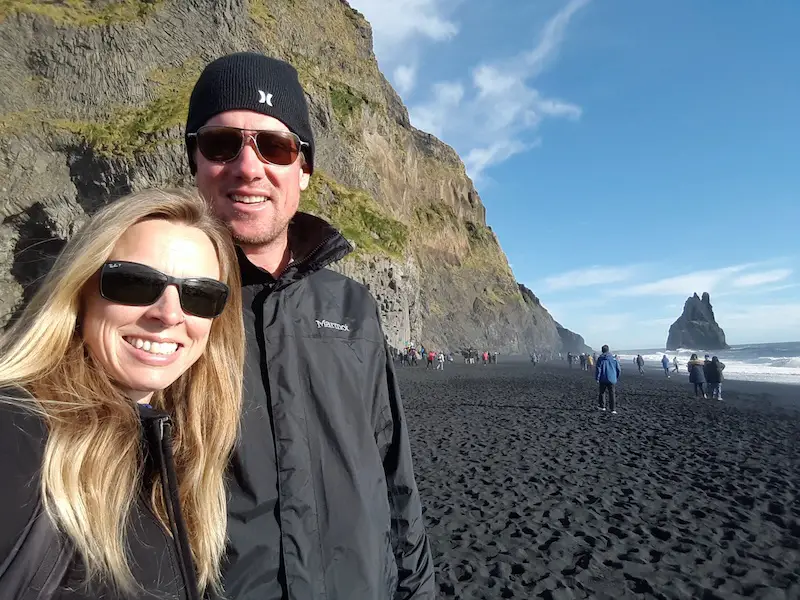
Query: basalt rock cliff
pixel 696 328
pixel 94 100
pixel 572 342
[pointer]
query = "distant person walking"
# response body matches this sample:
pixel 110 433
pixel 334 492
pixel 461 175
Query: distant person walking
pixel 665 364
pixel 606 373
pixel 714 378
pixel 697 375
pixel 640 363
pixel 675 364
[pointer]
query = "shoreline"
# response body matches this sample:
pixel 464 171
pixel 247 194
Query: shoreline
pixel 739 390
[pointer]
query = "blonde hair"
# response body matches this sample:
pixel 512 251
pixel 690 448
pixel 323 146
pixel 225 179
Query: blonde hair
pixel 92 468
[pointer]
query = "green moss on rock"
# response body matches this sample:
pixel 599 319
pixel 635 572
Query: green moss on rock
pixel 127 131
pixel 260 13
pixel 357 215
pixel 479 235
pixel 435 215
pixel 346 101
pixel 82 13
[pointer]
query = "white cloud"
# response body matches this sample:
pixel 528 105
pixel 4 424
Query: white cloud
pixel 757 279
pixel 447 96
pixel 404 78
pixel 500 105
pixel 479 159
pixel 396 23
pixel 588 277
pixel 688 284
pixel 760 323
pixel 553 35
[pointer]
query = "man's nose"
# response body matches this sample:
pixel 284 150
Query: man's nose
pixel 248 165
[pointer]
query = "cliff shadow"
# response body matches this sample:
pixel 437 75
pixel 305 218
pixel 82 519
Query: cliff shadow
pixel 97 180
pixel 34 253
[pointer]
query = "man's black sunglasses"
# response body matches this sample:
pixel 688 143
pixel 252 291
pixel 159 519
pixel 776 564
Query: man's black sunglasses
pixel 222 144
pixel 135 284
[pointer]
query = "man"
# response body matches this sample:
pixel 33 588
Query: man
pixel 665 365
pixel 323 501
pixel 606 373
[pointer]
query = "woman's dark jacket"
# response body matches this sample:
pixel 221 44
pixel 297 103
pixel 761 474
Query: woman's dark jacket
pixel 714 371
pixel 161 567
pixel 696 371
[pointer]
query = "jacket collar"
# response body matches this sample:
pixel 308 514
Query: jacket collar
pixel 314 243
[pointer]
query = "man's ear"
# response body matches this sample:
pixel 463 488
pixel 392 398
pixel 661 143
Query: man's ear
pixel 305 177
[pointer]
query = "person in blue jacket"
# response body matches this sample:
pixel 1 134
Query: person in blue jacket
pixel 606 373
pixel 665 365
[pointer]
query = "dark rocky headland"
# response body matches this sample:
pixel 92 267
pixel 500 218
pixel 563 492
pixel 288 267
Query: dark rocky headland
pixel 696 328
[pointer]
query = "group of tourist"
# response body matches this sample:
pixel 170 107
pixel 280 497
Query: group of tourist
pixel 411 357
pixel 706 375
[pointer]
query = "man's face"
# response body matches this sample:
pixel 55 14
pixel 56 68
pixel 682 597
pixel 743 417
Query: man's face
pixel 255 199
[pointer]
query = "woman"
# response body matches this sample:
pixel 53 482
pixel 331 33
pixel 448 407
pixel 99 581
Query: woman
pixel 715 378
pixel 697 375
pixel 121 394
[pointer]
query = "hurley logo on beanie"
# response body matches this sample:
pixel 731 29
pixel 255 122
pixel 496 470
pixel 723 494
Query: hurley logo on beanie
pixel 250 81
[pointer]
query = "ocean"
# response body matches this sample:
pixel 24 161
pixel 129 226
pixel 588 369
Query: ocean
pixel 776 363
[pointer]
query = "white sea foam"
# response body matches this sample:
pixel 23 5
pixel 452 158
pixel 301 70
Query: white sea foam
pixel 744 363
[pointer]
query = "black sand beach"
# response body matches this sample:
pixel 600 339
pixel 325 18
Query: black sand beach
pixel 530 492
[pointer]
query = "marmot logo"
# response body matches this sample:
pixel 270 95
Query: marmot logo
pixel 331 325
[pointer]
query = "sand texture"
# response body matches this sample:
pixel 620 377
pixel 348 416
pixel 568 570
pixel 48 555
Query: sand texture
pixel 530 492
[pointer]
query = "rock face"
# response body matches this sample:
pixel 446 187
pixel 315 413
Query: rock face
pixel 696 328
pixel 94 100
pixel 572 342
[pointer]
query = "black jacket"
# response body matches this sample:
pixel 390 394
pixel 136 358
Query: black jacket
pixel 714 371
pixel 157 563
pixel 323 499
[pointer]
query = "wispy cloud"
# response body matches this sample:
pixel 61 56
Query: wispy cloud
pixel 746 297
pixel 759 322
pixel 757 279
pixel 447 97
pixel 591 276
pixel 398 26
pixel 397 22
pixel 404 78
pixel 498 104
pixel 687 284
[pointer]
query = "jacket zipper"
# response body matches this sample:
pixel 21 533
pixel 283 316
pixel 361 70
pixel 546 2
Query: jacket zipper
pixel 171 500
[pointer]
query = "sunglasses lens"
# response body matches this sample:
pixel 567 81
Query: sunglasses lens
pixel 277 148
pixel 131 284
pixel 219 144
pixel 203 297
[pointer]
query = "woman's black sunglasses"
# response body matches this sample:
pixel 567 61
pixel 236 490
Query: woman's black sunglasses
pixel 223 144
pixel 135 284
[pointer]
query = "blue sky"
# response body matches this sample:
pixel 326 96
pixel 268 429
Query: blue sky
pixel 628 153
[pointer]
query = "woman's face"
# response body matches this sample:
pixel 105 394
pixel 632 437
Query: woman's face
pixel 146 348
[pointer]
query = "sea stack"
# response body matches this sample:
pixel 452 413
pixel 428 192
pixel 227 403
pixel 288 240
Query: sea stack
pixel 696 328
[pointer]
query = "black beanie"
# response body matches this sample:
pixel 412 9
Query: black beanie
pixel 250 81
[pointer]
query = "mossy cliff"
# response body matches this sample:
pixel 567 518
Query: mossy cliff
pixel 94 99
